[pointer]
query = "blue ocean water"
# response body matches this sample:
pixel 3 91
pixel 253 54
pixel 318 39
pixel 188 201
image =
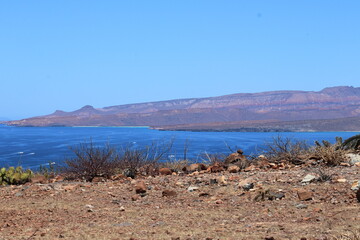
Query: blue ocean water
pixel 34 146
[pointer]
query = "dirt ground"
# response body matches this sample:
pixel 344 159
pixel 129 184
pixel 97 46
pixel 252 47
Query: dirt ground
pixel 200 206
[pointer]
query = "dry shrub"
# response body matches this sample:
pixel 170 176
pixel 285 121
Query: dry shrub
pixel 330 155
pixel 90 162
pixel 212 158
pixel 175 164
pixel 144 160
pixel 285 149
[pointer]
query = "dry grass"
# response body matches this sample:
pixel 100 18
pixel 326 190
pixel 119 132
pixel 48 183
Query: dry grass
pixel 285 149
pixel 330 155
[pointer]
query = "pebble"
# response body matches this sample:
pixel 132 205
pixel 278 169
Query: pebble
pixel 301 206
pixel 308 179
pixel 192 188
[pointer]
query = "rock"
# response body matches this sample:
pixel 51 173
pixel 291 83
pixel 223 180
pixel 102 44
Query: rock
pixel 131 173
pixel 222 180
pixel 58 178
pixel 213 181
pixel 122 209
pixel 268 195
pixel 301 206
pixel 39 179
pixel 357 164
pixel 341 180
pixel 204 194
pixel 235 157
pixel 233 169
pixel 246 184
pixel 304 195
pixel 19 194
pixel 250 168
pixel 216 168
pixel 117 177
pixel 353 158
pixel 140 187
pixel 358 195
pixel 124 224
pixel 98 179
pixel 90 208
pixel 69 188
pixel 308 179
pixel 355 186
pixel 192 188
pixel 195 167
pixel 135 197
pixel 169 193
pixel 165 171
pixel 269 238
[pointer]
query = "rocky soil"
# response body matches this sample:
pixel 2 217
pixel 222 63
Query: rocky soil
pixel 258 204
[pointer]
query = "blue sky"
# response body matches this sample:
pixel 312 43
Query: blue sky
pixel 70 53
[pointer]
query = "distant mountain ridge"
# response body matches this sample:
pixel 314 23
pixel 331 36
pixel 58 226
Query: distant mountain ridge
pixel 274 106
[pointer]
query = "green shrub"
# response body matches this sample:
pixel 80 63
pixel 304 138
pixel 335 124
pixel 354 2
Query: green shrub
pixel 13 176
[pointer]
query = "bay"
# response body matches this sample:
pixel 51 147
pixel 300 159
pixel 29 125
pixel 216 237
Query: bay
pixel 31 147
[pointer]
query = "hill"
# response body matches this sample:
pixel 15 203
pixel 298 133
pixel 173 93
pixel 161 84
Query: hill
pixel 235 110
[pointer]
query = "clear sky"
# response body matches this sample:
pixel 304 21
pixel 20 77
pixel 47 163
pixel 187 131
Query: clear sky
pixel 70 53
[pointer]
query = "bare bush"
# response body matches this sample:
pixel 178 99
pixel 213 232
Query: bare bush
pixel 284 149
pixel 175 164
pixel 330 155
pixel 324 174
pixel 146 160
pixel 212 158
pixel 91 161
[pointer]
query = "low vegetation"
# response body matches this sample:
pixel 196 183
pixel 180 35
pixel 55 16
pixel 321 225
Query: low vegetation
pixel 92 161
pixel 13 176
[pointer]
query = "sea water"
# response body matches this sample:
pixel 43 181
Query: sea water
pixel 31 147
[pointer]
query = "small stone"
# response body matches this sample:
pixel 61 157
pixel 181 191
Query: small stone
pixel 165 171
pixel 140 187
pixel 122 209
pixel 169 193
pixel 135 197
pixel 194 167
pixel 353 158
pixel 213 181
pixel 19 194
pixel 301 206
pixel 204 194
pixel 98 179
pixel 246 184
pixel 269 238
pixel 355 186
pixel 215 169
pixel 308 179
pixel 304 195
pixel 250 168
pixel 222 180
pixel 233 169
pixel 192 188
pixel 341 180
pixel 69 188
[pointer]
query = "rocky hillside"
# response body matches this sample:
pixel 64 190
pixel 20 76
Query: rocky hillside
pixel 276 106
